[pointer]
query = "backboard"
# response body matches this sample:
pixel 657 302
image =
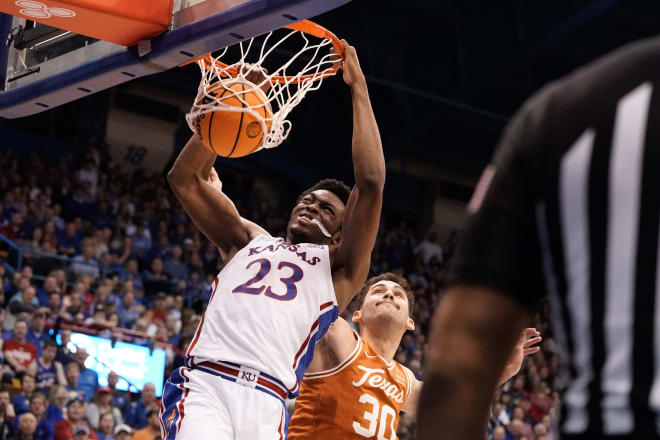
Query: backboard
pixel 44 67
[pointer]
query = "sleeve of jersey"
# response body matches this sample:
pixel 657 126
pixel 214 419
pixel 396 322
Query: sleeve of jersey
pixel 499 248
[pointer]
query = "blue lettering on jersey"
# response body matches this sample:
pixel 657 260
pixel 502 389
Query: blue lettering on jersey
pixel 292 248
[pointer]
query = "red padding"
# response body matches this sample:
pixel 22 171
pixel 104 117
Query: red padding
pixel 122 22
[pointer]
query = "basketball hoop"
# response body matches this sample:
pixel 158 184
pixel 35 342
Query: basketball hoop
pixel 284 83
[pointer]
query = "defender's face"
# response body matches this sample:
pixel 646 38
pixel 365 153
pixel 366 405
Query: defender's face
pixel 385 300
pixel 321 205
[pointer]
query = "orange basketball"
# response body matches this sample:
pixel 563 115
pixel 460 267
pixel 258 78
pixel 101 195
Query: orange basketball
pixel 233 133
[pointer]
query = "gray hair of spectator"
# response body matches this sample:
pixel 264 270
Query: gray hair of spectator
pixel 21 319
pixel 388 276
pixel 25 415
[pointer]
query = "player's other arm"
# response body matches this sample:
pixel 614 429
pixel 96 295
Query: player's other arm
pixel 196 185
pixel 334 348
pixel 526 345
pixel 473 334
pixel 362 214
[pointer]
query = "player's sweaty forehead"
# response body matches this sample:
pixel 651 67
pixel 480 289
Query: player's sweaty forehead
pixel 387 284
pixel 325 196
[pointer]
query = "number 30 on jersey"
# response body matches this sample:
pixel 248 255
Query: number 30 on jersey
pixel 378 418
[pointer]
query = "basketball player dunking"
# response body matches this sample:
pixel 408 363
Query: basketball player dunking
pixel 354 388
pixel 275 298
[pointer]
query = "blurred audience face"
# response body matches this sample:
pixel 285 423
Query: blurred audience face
pixel 499 433
pixel 28 385
pixel 38 406
pixel 20 330
pixel 123 435
pixel 66 337
pixel 540 429
pixel 27 424
pixel 54 301
pixel 49 353
pixel 157 266
pixel 72 374
pixel 112 379
pixel 516 427
pixel 107 423
pixel 28 294
pixel 149 393
pixel 518 413
pixel 74 412
pixel 81 435
pixel 80 356
pixel 60 396
pixel 38 321
pixel 129 297
pixel 50 285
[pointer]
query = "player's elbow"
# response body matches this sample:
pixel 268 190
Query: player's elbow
pixel 179 179
pixel 371 182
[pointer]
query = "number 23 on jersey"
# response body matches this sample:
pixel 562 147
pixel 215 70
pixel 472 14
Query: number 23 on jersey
pixel 254 285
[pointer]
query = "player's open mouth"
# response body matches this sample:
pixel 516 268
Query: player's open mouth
pixel 308 218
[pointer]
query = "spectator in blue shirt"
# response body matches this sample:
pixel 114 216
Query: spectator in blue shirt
pixel 89 379
pixel 69 242
pixel 129 309
pixel 36 335
pixel 132 272
pixel 141 240
pixel 50 287
pixel 58 398
pixel 21 401
pixel 85 263
pixel 174 267
pixel 136 412
pixel 118 396
pixel 72 374
pixel 45 430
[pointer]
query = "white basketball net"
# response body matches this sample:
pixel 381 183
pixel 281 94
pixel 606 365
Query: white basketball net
pixel 312 63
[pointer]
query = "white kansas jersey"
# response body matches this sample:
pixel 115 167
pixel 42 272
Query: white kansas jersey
pixel 269 306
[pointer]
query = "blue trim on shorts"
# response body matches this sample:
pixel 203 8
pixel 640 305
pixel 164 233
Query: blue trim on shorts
pixel 172 395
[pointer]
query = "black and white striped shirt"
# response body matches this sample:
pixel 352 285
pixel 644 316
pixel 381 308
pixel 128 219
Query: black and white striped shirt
pixel 571 208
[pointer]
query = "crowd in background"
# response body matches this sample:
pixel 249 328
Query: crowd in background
pixel 107 249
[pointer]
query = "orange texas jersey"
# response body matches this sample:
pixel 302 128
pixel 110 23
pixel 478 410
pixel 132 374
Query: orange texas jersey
pixel 360 398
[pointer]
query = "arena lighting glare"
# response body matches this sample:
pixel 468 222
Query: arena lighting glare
pixel 135 364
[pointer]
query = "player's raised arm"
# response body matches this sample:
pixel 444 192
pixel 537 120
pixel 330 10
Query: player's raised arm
pixel 197 186
pixel 362 214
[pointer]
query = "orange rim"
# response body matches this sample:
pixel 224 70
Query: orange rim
pixel 305 26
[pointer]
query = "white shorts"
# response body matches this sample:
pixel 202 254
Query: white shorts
pixel 212 401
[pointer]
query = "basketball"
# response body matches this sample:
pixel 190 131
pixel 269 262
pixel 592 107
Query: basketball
pixel 231 133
